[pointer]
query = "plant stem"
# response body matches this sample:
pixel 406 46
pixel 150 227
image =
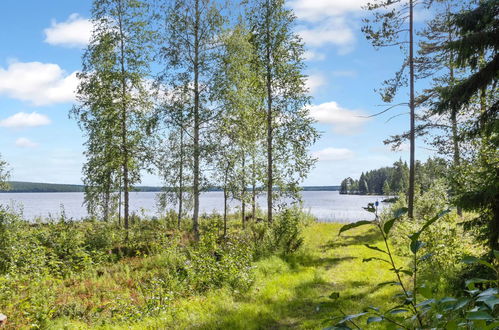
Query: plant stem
pixel 406 293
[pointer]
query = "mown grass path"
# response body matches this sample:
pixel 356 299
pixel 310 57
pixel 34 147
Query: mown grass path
pixel 293 293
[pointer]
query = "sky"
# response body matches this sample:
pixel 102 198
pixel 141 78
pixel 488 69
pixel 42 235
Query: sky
pixel 40 54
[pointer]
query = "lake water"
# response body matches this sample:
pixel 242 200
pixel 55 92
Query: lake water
pixel 328 206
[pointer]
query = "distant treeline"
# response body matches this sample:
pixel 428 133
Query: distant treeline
pixel 394 179
pixel 20 187
pixel 25 187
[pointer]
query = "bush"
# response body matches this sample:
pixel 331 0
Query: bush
pixel 445 241
pixel 283 237
pixel 215 263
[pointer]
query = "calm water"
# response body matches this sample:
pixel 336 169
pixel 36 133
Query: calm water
pixel 324 205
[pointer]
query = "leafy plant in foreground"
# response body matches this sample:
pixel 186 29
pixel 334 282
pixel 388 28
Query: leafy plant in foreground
pixel 475 310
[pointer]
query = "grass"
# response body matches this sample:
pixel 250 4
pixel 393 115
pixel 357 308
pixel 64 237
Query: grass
pixel 292 293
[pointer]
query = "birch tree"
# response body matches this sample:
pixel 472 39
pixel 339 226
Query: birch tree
pixel 189 50
pixel 239 90
pixel 290 133
pixel 113 96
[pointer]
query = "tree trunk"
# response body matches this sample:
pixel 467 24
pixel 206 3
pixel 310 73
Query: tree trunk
pixel 124 121
pixel 243 193
pixel 453 119
pixel 107 198
pixel 119 205
pixel 225 210
pixel 269 122
pixel 181 178
pixel 253 189
pixel 226 179
pixel 195 215
pixel 412 110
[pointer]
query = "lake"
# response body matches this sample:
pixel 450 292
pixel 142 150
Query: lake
pixel 327 206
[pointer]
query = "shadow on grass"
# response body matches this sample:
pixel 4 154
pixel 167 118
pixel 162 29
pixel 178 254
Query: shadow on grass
pixel 309 260
pixel 372 236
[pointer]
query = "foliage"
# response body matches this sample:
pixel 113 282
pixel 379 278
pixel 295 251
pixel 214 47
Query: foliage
pixel 189 47
pixel 113 102
pixel 213 265
pixel 4 175
pixel 446 240
pixel 432 311
pixel 395 179
pixel 477 43
pixel 283 237
pixel 279 64
pixel 391 21
pixel 476 185
pixel 84 270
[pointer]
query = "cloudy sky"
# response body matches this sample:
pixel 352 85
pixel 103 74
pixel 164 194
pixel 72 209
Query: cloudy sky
pixel 40 54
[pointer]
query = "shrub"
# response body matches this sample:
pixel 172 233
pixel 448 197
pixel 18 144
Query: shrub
pixel 283 237
pixel 445 241
pixel 214 262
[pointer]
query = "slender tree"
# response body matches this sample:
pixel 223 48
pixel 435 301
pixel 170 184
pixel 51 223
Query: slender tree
pixel 175 163
pixel 391 19
pixel 113 94
pixel 190 46
pixel 238 87
pixel 173 154
pixel 279 53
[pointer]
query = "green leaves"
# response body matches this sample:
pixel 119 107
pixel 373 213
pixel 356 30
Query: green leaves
pixel 479 315
pixel 396 215
pixel 351 317
pixel 473 260
pixel 400 212
pixel 373 319
pixel 354 225
pixel 375 248
pixel 416 245
pixel 375 258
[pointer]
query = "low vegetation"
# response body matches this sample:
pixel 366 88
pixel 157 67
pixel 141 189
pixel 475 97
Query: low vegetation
pixel 295 273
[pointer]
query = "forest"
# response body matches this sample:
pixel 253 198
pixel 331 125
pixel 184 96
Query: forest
pixel 395 180
pixel 209 94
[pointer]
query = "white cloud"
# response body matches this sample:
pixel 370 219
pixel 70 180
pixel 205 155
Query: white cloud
pixel 344 121
pixel 315 81
pixel 328 22
pixel 311 55
pixel 25 143
pixel 331 154
pixel 22 120
pixel 315 10
pixel 74 32
pixel 335 31
pixel 38 83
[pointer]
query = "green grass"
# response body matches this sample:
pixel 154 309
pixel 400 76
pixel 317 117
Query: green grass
pixel 292 293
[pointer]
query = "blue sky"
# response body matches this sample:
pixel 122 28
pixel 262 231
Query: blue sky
pixel 40 53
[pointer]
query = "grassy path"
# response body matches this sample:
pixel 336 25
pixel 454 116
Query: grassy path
pixel 293 293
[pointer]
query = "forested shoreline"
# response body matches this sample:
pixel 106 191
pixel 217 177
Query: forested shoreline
pixel 34 187
pixel 395 180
